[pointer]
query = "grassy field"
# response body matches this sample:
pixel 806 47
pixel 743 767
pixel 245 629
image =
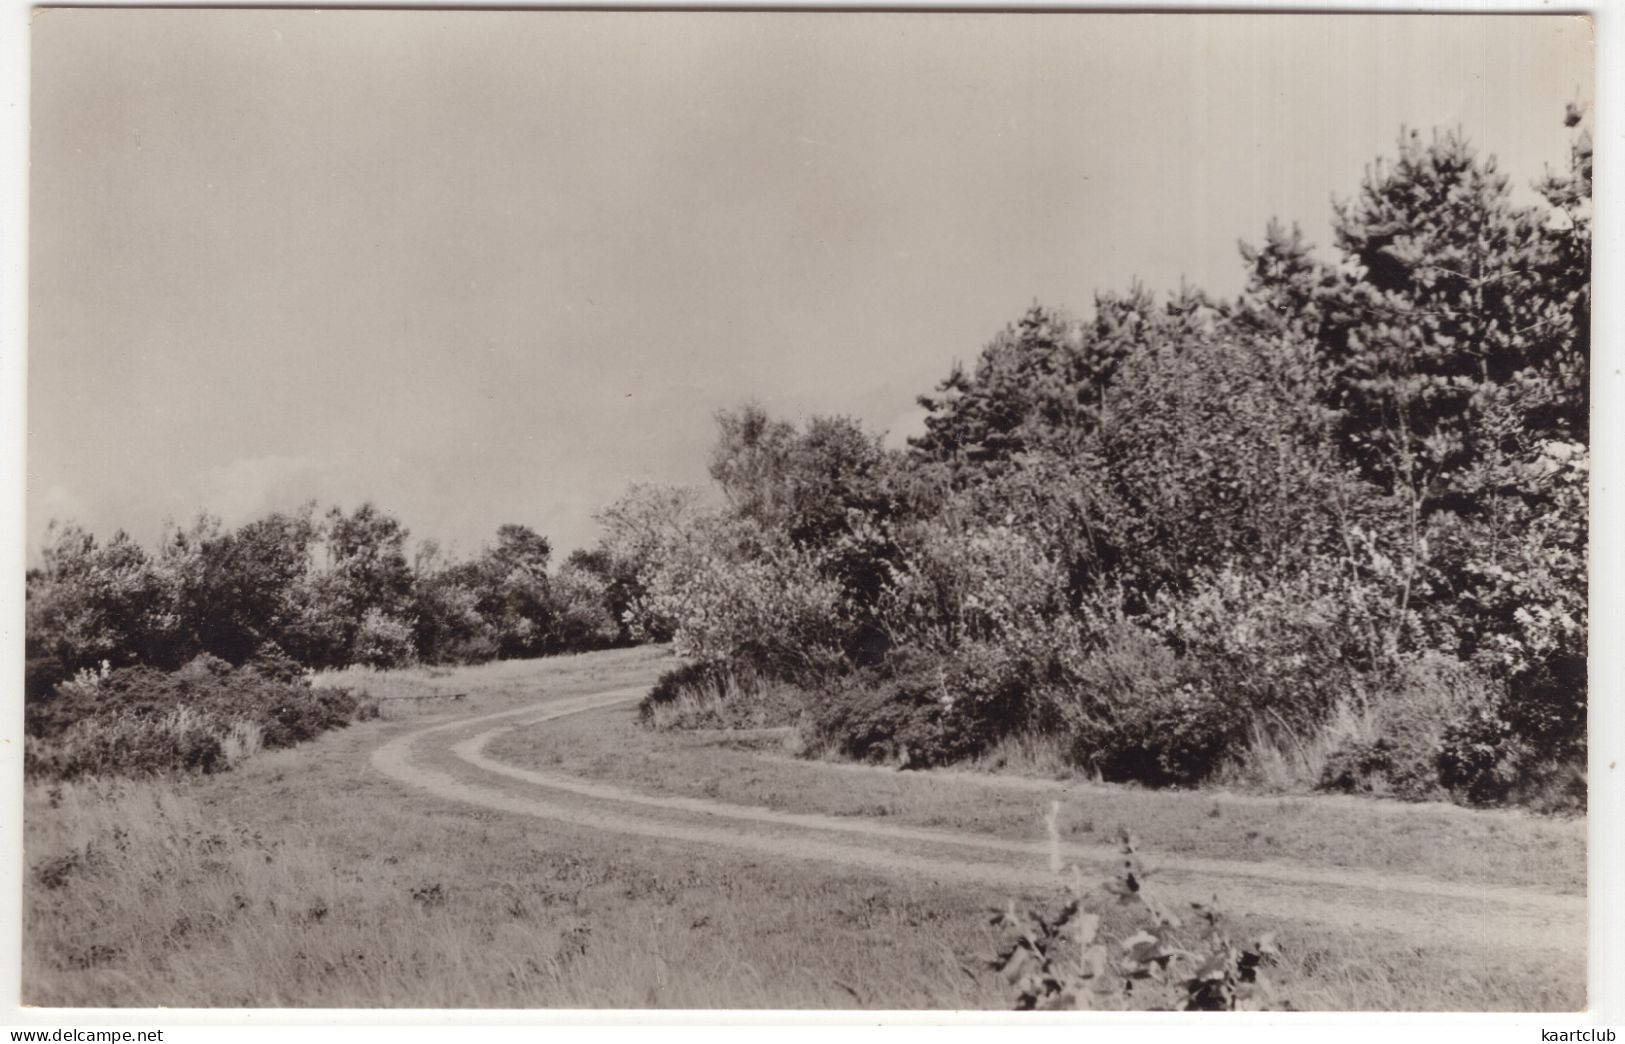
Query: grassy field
pixel 1438 840
pixel 307 878
pixel 304 879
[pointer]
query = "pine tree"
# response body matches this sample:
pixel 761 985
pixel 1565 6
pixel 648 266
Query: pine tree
pixel 1443 302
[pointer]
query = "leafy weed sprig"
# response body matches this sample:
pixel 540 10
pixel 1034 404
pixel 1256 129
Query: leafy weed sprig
pixel 1063 960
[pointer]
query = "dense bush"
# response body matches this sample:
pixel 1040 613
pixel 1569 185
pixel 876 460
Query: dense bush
pixel 1131 711
pixel 179 741
pixel 1393 740
pixel 958 584
pixel 1284 650
pixel 1508 749
pixel 737 592
pixel 140 721
pixel 913 710
pixel 188 658
pixel 716 695
pixel 701 680
pixel 580 608
pixel 382 641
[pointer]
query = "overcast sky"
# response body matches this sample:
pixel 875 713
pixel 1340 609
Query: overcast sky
pixel 490 267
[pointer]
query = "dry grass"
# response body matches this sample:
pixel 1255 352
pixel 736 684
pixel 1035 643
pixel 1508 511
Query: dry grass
pixel 733 714
pixel 243 741
pixel 1031 754
pixel 693 697
pixel 1406 714
pixel 1281 759
pixel 340 899
pixel 304 878
pixel 413 682
pixel 337 890
pixel 418 693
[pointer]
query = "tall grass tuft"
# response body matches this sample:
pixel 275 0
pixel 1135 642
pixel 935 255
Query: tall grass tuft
pixel 719 696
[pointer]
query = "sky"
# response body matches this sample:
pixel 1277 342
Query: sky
pixel 490 267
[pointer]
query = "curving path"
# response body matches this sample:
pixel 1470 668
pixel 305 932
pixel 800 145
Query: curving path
pixel 450 760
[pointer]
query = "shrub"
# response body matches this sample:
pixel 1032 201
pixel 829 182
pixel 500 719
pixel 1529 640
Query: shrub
pixel 1124 704
pixel 203 668
pixel 269 661
pixel 710 695
pixel 1359 768
pixel 1393 743
pixel 993 683
pixel 909 709
pixel 480 647
pixel 699 680
pixel 383 641
pixel 1133 712
pixel 736 592
pixel 139 721
pixel 1276 648
pixel 88 681
pixel 1486 757
pixel 581 618
pixel 128 744
pixel 967 584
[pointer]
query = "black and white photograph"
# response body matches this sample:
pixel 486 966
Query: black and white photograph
pixel 790 510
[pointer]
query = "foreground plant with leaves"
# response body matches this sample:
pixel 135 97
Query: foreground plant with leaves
pixel 1065 961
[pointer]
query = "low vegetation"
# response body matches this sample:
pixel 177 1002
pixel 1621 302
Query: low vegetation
pixel 1064 961
pixel 305 878
pixel 719 696
pixel 204 718
pixel 190 658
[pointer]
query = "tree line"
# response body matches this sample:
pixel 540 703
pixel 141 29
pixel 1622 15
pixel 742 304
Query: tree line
pixel 1333 528
pixel 329 590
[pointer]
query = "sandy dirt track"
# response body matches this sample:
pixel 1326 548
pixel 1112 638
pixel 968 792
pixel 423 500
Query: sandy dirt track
pixel 449 760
